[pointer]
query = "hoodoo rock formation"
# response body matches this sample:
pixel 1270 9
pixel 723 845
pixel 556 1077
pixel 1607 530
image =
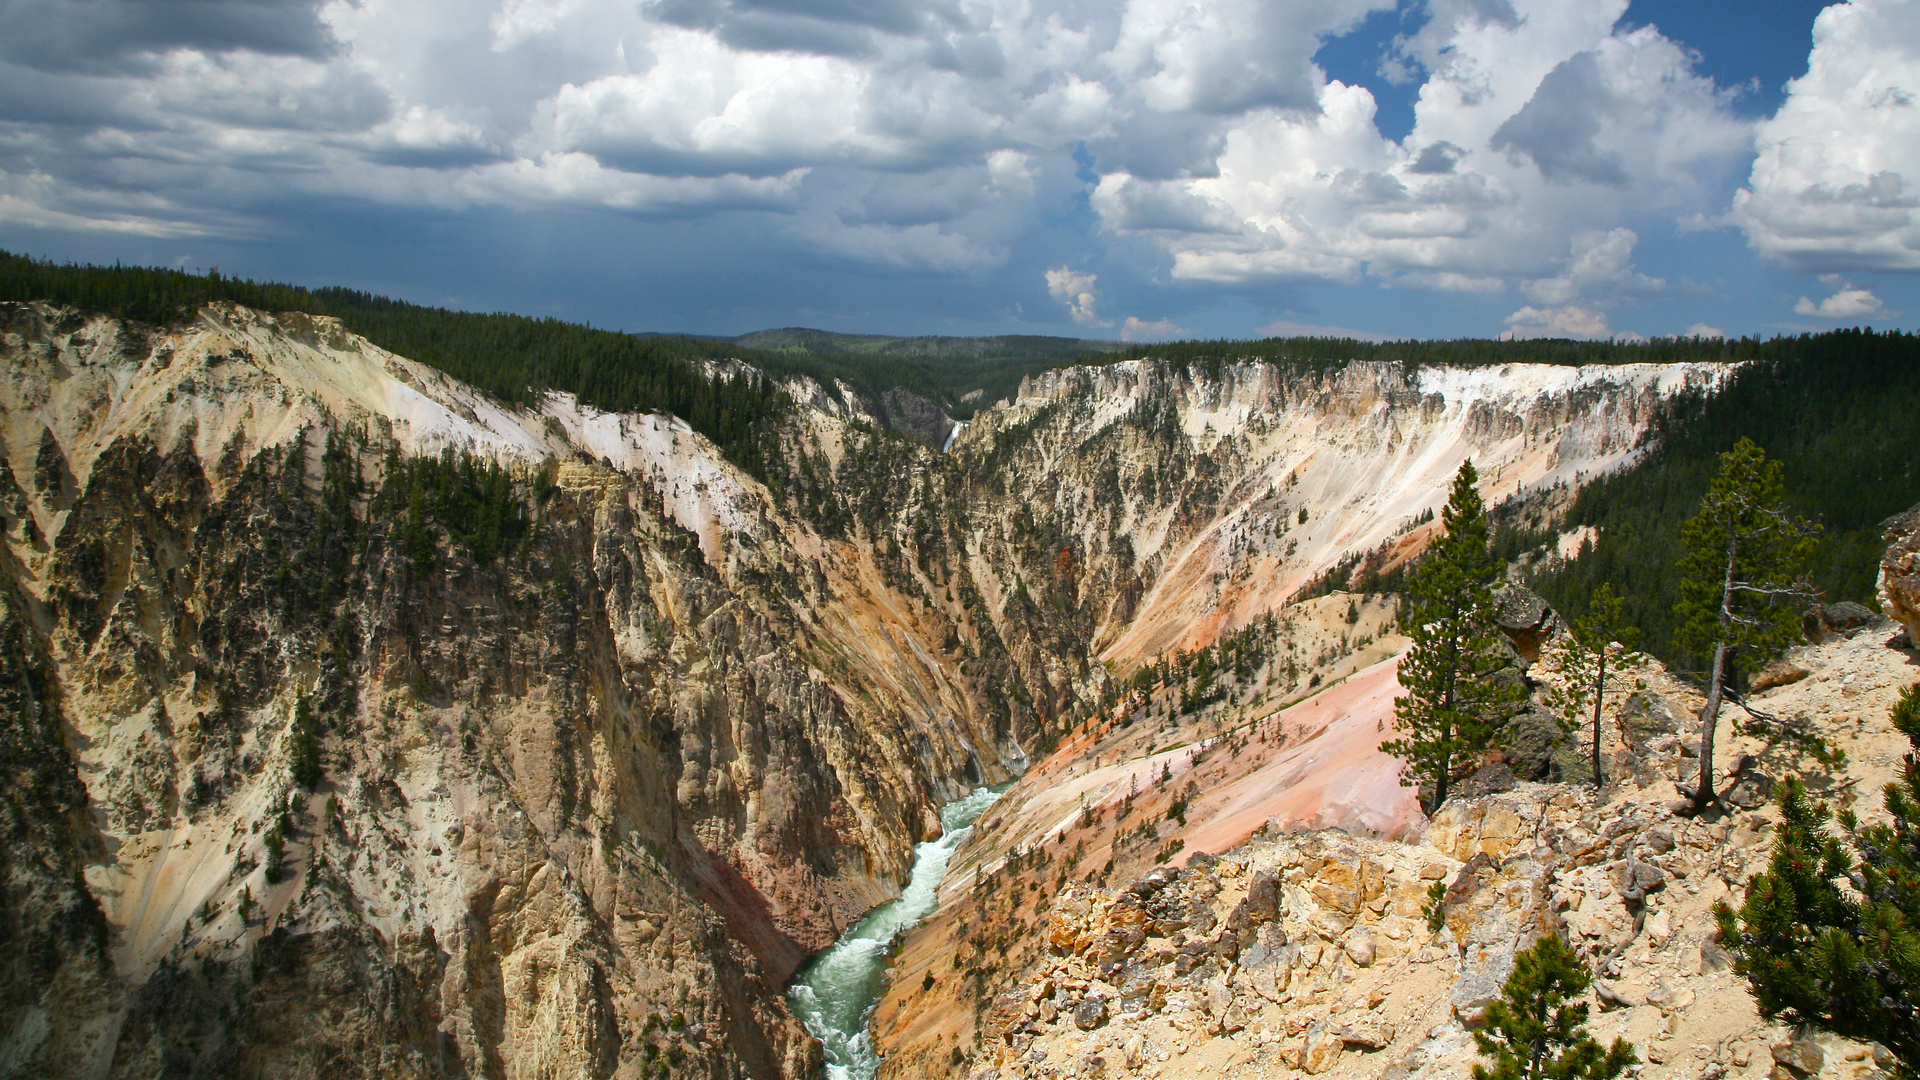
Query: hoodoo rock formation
pixel 358 723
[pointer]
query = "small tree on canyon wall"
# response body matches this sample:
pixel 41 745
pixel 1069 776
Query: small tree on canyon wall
pixel 1742 579
pixel 1452 704
pixel 1584 656
pixel 1827 936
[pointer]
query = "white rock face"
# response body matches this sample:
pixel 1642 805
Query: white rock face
pixel 1364 450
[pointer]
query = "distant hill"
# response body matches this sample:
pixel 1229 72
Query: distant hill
pixel 959 374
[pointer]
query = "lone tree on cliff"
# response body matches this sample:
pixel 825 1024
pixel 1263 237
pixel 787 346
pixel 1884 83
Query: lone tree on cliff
pixel 1744 566
pixel 1452 705
pixel 1536 1030
pixel 1827 935
pixel 1584 654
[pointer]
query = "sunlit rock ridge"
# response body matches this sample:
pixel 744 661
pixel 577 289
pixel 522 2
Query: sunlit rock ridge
pixel 601 765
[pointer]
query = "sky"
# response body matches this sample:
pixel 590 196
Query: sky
pixel 1132 169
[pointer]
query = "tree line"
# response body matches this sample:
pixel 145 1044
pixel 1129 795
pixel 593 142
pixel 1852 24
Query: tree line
pixel 514 358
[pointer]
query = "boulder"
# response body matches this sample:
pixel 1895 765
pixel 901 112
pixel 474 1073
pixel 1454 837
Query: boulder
pixel 1486 780
pixel 1778 673
pixel 1611 998
pixel 1803 1057
pixel 1526 619
pixel 1900 571
pixel 1263 896
pixel 1823 622
pixel 1670 999
pixel 1368 1033
pixel 1361 948
pixel 1323 1049
pixel 1531 742
pixel 1337 897
pixel 1090 1013
pixel 1156 879
pixel 1753 791
pixel 1646 716
pixel 1634 879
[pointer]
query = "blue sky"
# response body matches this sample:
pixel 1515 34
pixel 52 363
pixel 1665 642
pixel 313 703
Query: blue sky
pixel 1106 168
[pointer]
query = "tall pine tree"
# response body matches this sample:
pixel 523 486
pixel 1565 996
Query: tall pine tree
pixel 1745 565
pixel 1452 705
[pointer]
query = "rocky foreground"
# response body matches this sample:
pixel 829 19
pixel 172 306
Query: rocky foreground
pixel 1339 953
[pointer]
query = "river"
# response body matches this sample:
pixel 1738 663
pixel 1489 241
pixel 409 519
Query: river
pixel 836 993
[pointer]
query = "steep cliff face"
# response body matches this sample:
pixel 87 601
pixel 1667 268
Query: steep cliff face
pixel 357 724
pixel 607 743
pixel 1192 502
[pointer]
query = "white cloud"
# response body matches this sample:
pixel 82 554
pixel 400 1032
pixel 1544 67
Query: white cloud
pixel 1702 330
pixel 1836 185
pixel 1537 132
pixel 1848 301
pixel 1137 329
pixel 38 201
pixel 1600 269
pixel 1570 321
pixel 1289 328
pixel 951 137
pixel 1076 290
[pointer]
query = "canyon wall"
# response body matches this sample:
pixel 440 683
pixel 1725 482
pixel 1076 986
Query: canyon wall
pixel 359 724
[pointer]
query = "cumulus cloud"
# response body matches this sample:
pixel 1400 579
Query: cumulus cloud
pixel 1562 322
pixel 1538 130
pixel 1836 185
pixel 1559 127
pixel 1702 330
pixel 1076 290
pixel 960 137
pixel 1848 301
pixel 1600 269
pixel 1138 329
pixel 1289 328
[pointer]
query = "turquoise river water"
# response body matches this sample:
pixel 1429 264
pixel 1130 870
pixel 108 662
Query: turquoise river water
pixel 835 995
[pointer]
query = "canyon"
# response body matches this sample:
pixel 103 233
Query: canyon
pixel 362 724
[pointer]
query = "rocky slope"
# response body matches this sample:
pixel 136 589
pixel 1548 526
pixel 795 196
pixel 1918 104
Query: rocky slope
pixel 357 724
pixel 1313 951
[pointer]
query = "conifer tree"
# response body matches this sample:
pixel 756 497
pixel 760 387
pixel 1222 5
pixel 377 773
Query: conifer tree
pixel 1590 643
pixel 303 752
pixel 1745 561
pixel 1827 936
pixel 1452 703
pixel 1536 1030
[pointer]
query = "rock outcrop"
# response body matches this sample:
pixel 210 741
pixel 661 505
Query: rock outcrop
pixel 1900 571
pixel 1352 956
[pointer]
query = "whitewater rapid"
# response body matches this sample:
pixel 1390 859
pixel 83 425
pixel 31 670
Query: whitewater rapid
pixel 836 994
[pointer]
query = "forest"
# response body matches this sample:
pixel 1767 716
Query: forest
pixel 1840 410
